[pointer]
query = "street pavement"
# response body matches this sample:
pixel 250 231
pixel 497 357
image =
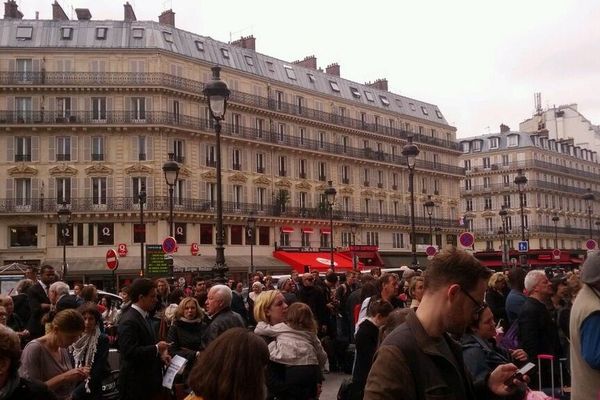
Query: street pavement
pixel 332 384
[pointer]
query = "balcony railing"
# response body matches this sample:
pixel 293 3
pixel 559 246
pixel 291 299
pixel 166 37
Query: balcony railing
pixel 156 79
pixel 511 187
pixel 533 230
pixel 120 118
pixel 534 164
pixel 161 204
pixel 22 157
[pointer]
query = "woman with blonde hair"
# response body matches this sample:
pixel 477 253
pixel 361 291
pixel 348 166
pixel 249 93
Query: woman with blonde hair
pixel 495 297
pixel 47 359
pixel 416 288
pixel 186 331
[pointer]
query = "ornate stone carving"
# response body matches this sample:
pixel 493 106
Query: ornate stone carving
pixel 137 169
pixel 283 183
pixel 209 176
pixel 367 192
pixel 303 185
pixel 262 180
pixel 22 170
pixel 185 172
pixel 238 177
pixel 346 190
pixel 98 169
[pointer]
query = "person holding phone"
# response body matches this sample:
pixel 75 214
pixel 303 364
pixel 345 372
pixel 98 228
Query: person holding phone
pixel 480 352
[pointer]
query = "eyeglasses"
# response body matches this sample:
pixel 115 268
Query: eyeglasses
pixel 479 306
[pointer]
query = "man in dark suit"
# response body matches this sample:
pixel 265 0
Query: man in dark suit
pixel 59 296
pixel 142 357
pixel 39 303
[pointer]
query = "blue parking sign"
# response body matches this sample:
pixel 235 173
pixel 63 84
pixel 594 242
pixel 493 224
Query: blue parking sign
pixel 523 246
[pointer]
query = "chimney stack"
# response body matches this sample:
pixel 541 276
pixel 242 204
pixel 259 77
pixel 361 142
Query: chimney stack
pixel 333 69
pixel 167 18
pixel 381 84
pixel 58 14
pixel 247 42
pixel 129 15
pixel 83 14
pixel 308 62
pixel 504 128
pixel 11 10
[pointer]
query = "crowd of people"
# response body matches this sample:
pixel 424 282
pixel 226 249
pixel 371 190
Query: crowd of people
pixel 455 331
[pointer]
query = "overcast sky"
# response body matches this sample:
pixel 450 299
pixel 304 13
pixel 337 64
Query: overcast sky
pixel 480 61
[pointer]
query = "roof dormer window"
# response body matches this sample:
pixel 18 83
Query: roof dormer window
pixel 291 74
pixel 225 53
pixel 412 106
pixel 369 96
pixel 101 33
pixel 494 143
pixel 424 110
pixel 439 114
pixel 24 32
pixel 384 100
pixel 513 140
pixel 138 33
pixel 311 77
pixel 334 86
pixel 66 33
pixel 477 145
pixel 168 36
pixel 199 45
pixel 355 92
pixel 249 60
pixel 270 66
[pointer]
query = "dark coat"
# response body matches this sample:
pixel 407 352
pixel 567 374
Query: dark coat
pixel 36 297
pixel 238 306
pixel 22 308
pixel 100 370
pixel 367 339
pixel 67 302
pixel 497 303
pixel 140 375
pixel 186 338
pixel 314 297
pixel 409 366
pixel 220 322
pixel 31 391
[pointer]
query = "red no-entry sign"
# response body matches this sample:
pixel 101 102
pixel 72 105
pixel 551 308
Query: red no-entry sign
pixel 112 261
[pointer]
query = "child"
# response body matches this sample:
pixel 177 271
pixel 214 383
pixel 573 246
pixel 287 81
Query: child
pixel 296 345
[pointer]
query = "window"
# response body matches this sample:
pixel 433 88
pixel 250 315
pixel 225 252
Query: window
pixel 63 190
pixel 322 139
pixel 369 96
pixel 302 135
pixel 206 234
pixel 138 33
pixel 487 203
pixel 138 108
pixel 384 100
pixel 280 99
pixel 237 197
pixel 179 195
pixel 504 160
pixel 506 199
pixel 98 109
pixel 211 193
pixel 302 168
pixel 175 109
pixel 284 239
pixel 469 205
pixel 424 110
pixel 468 184
pixel 282 162
pixel 270 66
pixel 101 33
pixel 138 184
pixel 311 77
pixel 372 238
pixel 397 240
pixel 199 45
pixel 106 234
pixel 476 145
pixel 260 127
pixel 299 104
pixel 467 165
pixel 486 182
pixel 23 148
pixel 439 114
pixel 345 174
pixel 225 53
pixel 97 148
pixel 179 150
pixel 513 141
pixel 281 132
pixel 412 106
pixel 236 121
pixel 23 236
pixel 261 195
pixel 355 92
pixel 66 33
pixel 168 36
pixel 486 162
pixel 63 107
pixel 290 72
pixel 494 143
pixel 63 148
pixel 23 109
pixel 399 102
pixel 334 86
pixel 236 160
pixel 249 60
pixel 322 171
pixel 141 143
pixel 24 32
pixel 99 191
pixel 23 192
pixel 260 163
pixel 24 69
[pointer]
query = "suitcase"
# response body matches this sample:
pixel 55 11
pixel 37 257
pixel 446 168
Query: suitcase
pixel 551 358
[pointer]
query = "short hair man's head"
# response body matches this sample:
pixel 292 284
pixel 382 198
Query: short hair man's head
pixel 219 298
pixel 308 279
pixel 388 285
pixel 143 293
pixel 538 285
pixel 47 274
pixel 57 290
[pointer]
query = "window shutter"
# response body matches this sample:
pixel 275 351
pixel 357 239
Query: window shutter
pixel 12 65
pixel 74 188
pixel 74 105
pixel 203 191
pixel 109 187
pixel 110 113
pixel 9 188
pixel 134 149
pixel 35 190
pixel 35 65
pixel 268 163
pixel 35 148
pixel 87 148
pixel 149 147
pixel 51 188
pixel 245 194
pixel 188 192
pixel 51 148
pixel 10 148
pixel 74 146
pixel 87 191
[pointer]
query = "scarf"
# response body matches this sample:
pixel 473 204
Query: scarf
pixel 84 351
pixel 190 321
pixel 11 385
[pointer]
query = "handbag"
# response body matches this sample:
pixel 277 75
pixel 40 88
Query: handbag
pixel 345 390
pixel 110 387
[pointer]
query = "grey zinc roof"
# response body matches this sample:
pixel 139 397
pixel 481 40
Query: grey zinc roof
pixel 120 35
pixel 524 140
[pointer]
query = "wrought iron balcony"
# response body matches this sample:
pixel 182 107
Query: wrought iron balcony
pixel 156 79
pixel 534 164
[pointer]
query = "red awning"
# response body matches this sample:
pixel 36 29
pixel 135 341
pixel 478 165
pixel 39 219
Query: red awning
pixel 307 230
pixel 320 261
pixel 576 260
pixel 287 229
pixel 493 264
pixel 326 231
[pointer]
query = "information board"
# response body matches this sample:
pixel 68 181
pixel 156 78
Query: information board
pixel 156 265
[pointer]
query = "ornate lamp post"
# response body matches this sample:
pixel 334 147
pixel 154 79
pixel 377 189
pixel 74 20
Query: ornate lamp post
pixel 250 234
pixel 330 193
pixel 521 181
pixel 353 229
pixel 171 171
pixel 217 94
pixel 503 213
pixel 429 204
pixel 142 200
pixel 555 219
pixel 589 202
pixel 411 151
pixel 64 217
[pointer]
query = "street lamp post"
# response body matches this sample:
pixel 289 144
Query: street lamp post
pixel 353 229
pixel 142 200
pixel 250 234
pixel 411 151
pixel 503 213
pixel 521 181
pixel 217 94
pixel 555 219
pixel 330 193
pixel 589 201
pixel 64 217
pixel 429 204
pixel 171 171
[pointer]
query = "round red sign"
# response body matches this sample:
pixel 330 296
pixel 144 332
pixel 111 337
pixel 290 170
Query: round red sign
pixel 169 245
pixel 591 244
pixel 556 254
pixel 431 251
pixel 112 261
pixel 466 239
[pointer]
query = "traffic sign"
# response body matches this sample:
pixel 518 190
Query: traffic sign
pixel 466 239
pixel 591 244
pixel 112 260
pixel 556 254
pixel 523 246
pixel 169 245
pixel 431 251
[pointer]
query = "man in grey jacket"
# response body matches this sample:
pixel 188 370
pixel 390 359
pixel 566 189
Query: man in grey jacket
pixel 218 307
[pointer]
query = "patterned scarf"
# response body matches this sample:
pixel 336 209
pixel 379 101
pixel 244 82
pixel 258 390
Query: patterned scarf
pixel 84 351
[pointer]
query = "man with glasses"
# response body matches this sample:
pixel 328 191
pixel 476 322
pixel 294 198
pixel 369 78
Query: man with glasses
pixel 419 359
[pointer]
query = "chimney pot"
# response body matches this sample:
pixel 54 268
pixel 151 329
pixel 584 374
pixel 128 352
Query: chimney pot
pixel 504 128
pixel 129 14
pixel 83 14
pixel 58 14
pixel 11 10
pixel 245 42
pixel 167 18
pixel 381 84
pixel 307 62
pixel 333 69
